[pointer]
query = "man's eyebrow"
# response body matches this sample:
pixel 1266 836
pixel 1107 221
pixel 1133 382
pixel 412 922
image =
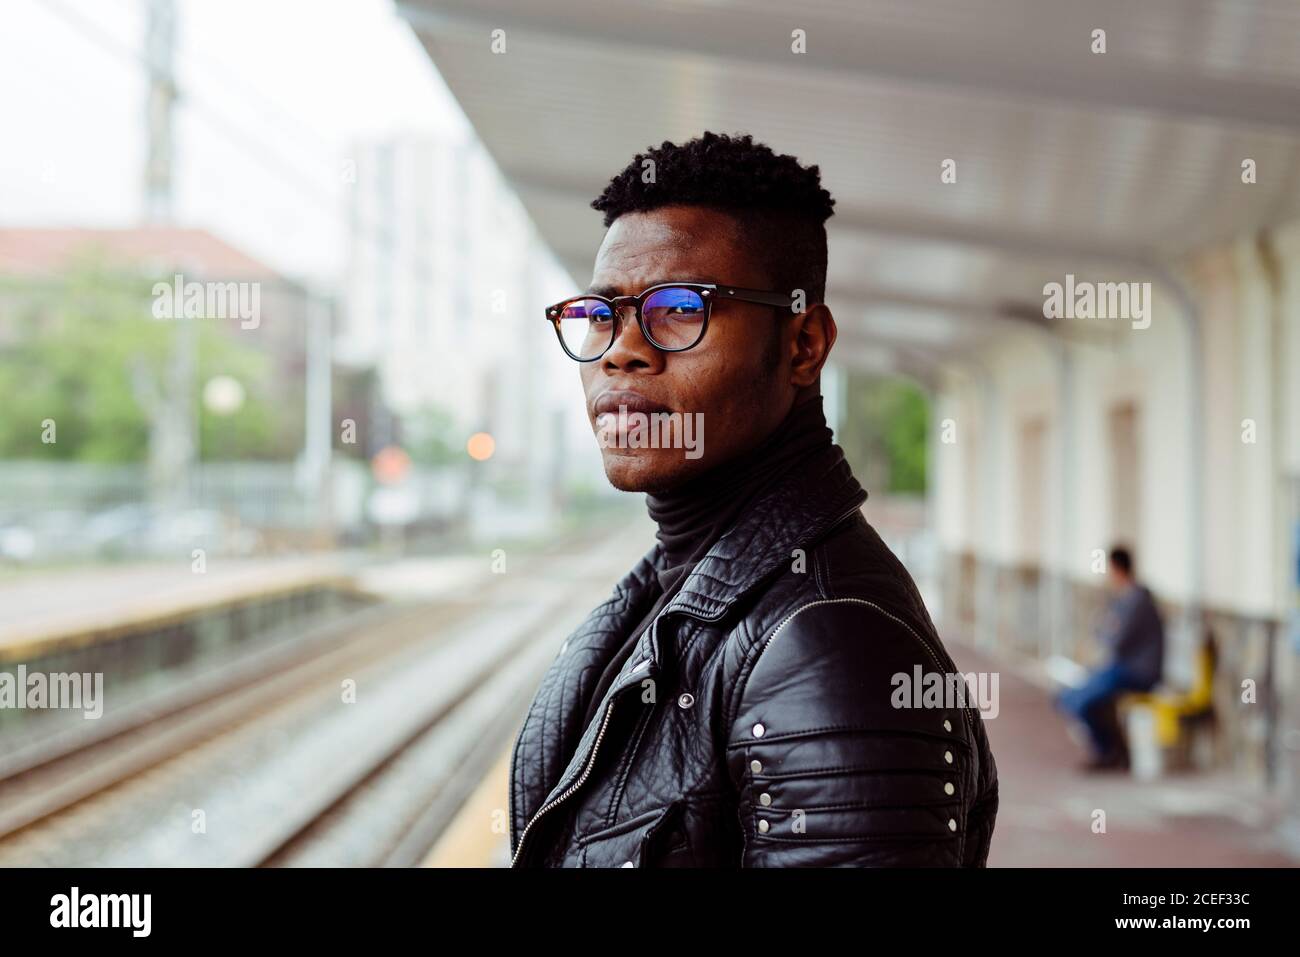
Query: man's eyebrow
pixel 610 291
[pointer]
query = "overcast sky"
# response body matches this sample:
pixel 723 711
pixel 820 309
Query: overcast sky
pixel 272 94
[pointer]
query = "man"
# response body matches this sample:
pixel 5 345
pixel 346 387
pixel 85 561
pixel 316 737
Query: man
pixel 730 703
pixel 1133 635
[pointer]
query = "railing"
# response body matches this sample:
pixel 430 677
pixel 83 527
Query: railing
pixel 92 510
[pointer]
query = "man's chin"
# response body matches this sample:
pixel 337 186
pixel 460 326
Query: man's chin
pixel 652 474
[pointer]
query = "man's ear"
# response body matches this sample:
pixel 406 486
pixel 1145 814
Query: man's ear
pixel 814 334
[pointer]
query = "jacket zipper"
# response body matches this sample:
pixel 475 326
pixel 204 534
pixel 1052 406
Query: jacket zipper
pixel 609 709
pixel 586 770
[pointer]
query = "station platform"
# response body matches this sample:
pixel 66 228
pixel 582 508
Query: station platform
pixel 44 611
pixel 1047 803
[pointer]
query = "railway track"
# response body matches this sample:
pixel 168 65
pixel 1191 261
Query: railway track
pixel 266 763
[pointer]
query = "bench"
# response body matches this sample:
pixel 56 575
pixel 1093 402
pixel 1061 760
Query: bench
pixel 1163 728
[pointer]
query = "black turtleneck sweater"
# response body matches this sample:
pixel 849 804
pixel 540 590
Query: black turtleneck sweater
pixel 693 516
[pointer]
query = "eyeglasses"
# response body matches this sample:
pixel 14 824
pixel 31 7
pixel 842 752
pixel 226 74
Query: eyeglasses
pixel 673 316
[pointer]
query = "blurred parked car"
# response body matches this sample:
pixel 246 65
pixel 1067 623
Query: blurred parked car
pixel 131 531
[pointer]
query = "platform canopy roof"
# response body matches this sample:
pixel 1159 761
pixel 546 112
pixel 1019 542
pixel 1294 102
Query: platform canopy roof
pixel 1067 160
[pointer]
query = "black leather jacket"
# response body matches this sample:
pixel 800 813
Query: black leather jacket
pixel 754 725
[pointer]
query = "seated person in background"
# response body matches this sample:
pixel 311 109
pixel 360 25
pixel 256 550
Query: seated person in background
pixel 1133 633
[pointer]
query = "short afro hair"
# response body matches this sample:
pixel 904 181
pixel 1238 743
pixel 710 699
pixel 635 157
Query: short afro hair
pixel 779 205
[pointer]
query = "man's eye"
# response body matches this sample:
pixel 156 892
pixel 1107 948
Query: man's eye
pixel 674 309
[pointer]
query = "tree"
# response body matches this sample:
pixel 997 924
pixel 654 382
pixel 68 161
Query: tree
pixel 884 431
pixel 84 350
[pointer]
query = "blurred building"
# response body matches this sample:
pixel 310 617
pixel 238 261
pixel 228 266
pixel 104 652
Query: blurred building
pixel 447 279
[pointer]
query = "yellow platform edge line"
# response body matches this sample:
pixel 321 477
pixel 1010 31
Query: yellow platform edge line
pixel 479 835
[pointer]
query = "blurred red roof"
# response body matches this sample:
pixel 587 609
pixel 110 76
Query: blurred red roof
pixel 155 248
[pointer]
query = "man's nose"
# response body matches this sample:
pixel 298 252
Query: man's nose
pixel 630 346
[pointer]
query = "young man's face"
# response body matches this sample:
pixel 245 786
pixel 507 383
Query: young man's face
pixel 738 375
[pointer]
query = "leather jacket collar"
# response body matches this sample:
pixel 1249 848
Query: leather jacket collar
pixel 811 500
pixel 798 510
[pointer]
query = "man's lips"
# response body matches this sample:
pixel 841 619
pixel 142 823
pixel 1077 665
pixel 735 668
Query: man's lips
pixel 613 408
pixel 612 400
